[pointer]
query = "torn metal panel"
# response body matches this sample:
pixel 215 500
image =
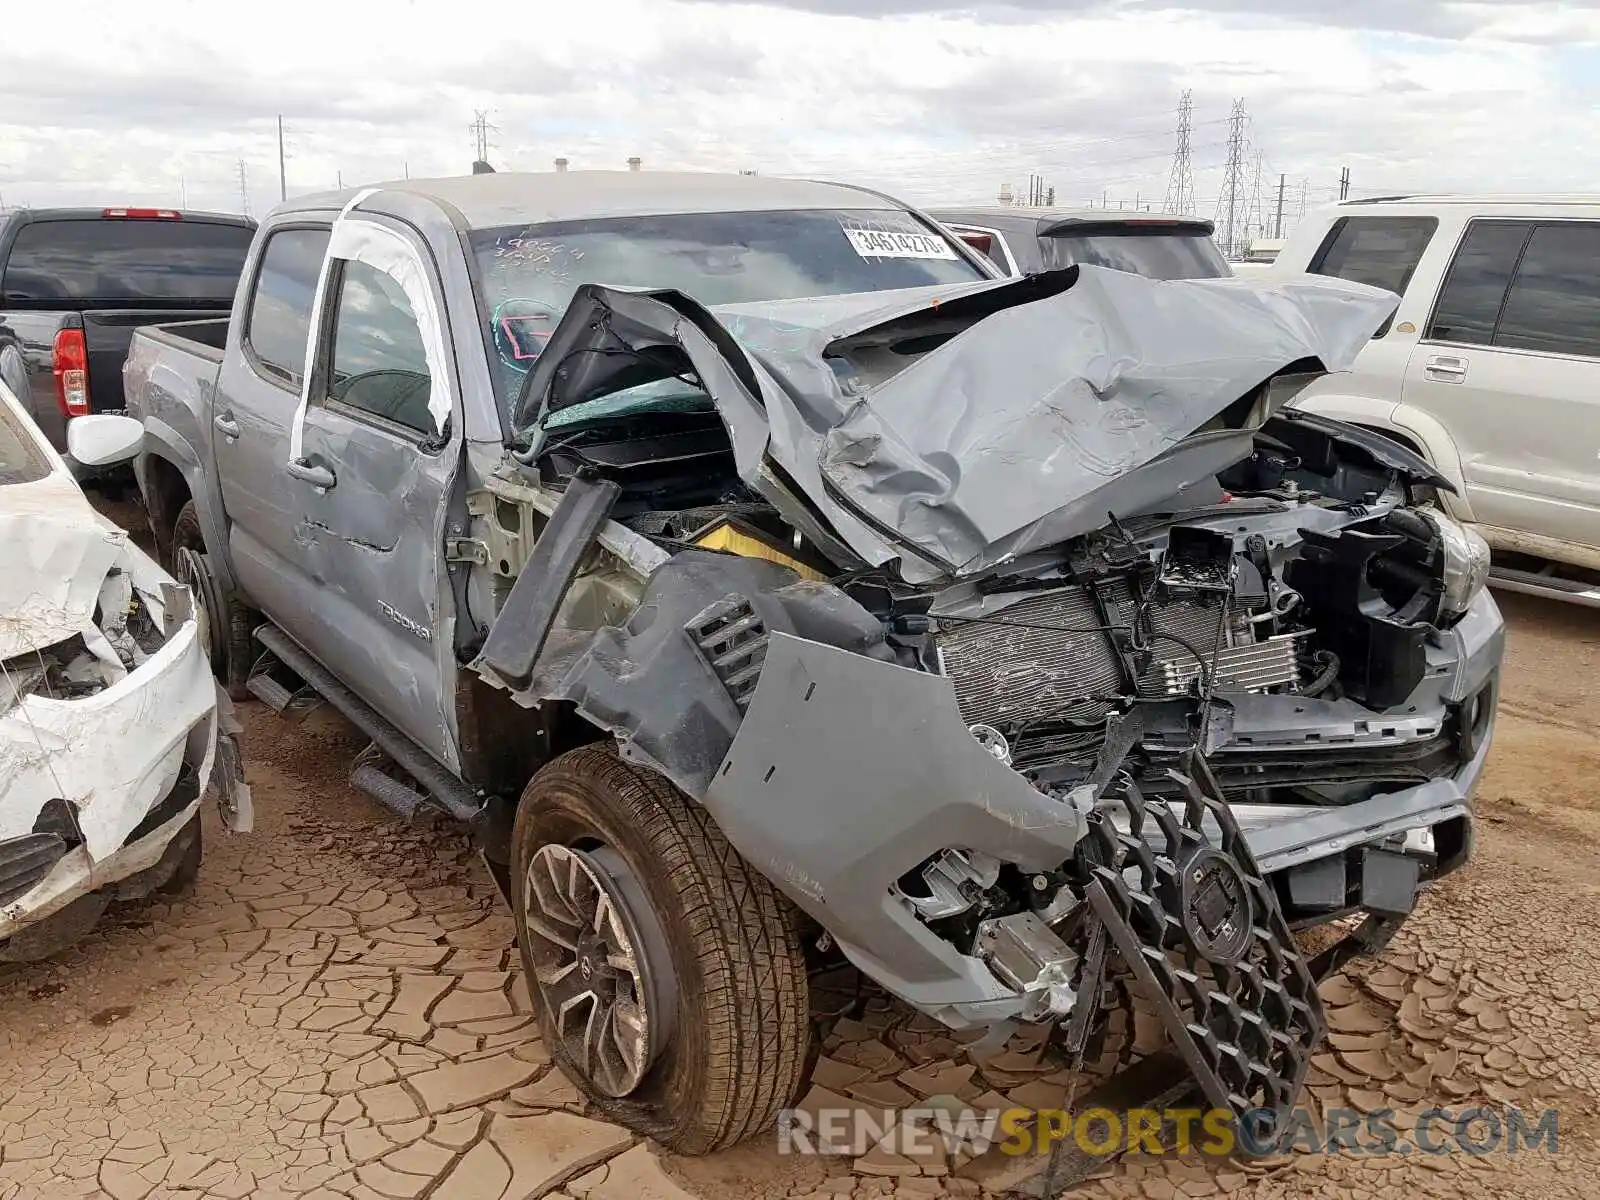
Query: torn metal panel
pixel 955 429
pixel 54 556
pixel 648 680
pixel 76 876
pixel 1028 428
pixel 639 554
pixel 845 774
pixel 110 724
pixel 112 755
pixel 524 622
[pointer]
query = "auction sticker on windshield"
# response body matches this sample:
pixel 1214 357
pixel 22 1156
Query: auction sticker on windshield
pixel 889 243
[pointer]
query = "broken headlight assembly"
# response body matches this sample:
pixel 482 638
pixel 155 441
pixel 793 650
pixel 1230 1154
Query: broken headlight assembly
pixel 1464 563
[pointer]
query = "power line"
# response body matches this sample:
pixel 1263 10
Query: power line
pixel 1180 186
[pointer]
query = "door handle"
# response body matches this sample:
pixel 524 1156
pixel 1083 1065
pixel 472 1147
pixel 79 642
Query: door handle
pixel 1445 368
pixel 226 425
pixel 315 474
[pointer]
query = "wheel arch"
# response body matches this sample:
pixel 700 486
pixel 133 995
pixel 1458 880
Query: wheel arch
pixel 170 473
pixel 1427 437
pixel 1418 432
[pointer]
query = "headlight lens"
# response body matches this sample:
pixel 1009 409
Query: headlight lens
pixel 1466 563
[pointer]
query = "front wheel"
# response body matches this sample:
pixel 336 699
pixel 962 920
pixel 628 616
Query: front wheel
pixel 667 974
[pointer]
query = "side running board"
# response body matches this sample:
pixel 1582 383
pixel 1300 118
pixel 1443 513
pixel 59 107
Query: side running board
pixel 1551 587
pixel 443 788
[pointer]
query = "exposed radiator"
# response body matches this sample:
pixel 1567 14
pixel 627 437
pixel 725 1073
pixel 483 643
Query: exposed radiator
pixel 1006 673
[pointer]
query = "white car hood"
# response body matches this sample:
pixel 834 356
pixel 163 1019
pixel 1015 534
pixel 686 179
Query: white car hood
pixel 55 552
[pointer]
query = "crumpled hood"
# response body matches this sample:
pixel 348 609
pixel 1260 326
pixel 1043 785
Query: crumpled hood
pixel 955 429
pixel 55 552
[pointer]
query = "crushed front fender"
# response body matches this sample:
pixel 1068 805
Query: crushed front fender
pixel 845 774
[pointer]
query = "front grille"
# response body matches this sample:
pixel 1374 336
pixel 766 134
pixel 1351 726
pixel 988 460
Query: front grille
pixel 1004 675
pixel 1200 928
pixel 733 641
pixel 24 861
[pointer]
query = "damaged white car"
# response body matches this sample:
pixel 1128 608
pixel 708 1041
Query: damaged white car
pixel 112 727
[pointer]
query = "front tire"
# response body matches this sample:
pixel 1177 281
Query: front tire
pixel 225 625
pixel 702 961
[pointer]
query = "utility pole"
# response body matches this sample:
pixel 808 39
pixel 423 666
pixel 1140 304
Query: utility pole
pixel 1180 185
pixel 339 175
pixel 1230 205
pixel 1305 193
pixel 244 188
pixel 283 172
pixel 1277 224
pixel 1344 183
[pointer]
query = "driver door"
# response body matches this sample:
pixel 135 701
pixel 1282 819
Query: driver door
pixel 377 455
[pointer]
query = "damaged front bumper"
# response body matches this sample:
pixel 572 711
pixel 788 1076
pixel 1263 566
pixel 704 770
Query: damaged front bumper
pixel 95 789
pixel 847 773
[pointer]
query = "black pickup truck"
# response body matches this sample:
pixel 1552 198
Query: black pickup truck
pixel 76 282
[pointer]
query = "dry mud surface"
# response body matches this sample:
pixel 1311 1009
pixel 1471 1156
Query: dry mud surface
pixel 337 1010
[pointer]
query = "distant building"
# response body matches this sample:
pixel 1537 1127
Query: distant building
pixel 1263 250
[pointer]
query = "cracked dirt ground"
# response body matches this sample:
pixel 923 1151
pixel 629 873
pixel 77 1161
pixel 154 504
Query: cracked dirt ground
pixel 336 1010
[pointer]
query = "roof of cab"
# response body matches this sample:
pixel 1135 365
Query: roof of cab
pixel 529 198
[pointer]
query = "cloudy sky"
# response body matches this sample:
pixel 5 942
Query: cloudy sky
pixel 931 99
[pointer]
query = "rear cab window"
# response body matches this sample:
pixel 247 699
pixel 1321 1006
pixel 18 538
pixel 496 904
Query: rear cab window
pixel 528 273
pixel 1150 251
pixel 278 324
pixel 1378 251
pixel 112 262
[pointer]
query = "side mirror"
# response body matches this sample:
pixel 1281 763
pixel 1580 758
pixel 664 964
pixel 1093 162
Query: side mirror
pixel 103 441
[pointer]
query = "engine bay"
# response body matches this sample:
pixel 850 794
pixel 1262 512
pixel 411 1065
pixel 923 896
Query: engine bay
pixel 1301 571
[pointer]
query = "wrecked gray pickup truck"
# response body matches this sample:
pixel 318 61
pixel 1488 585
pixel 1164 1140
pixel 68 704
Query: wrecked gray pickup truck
pixel 819 593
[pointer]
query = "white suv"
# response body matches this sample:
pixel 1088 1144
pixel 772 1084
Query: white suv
pixel 1490 368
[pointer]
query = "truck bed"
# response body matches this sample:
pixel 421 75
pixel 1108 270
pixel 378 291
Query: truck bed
pixel 206 338
pixel 171 373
